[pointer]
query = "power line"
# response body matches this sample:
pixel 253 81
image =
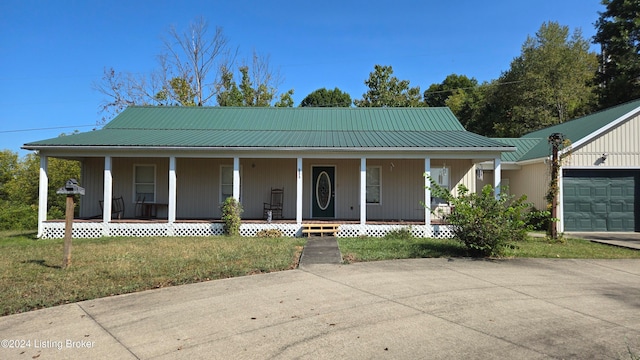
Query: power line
pixel 47 128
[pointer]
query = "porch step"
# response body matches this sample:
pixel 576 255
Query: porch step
pixel 320 229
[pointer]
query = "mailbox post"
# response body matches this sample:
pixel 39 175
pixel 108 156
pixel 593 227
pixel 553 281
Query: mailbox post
pixel 70 189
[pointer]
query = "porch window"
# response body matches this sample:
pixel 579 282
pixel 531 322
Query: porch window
pixel 226 182
pixel 441 177
pixel 144 182
pixel 374 185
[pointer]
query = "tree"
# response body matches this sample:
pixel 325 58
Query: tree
pixel 618 33
pixel 437 94
pixel 388 91
pixel 20 186
pixel 327 98
pixel 550 82
pixel 186 75
pixel 8 165
pixel 194 68
pixel 464 97
pixel 258 86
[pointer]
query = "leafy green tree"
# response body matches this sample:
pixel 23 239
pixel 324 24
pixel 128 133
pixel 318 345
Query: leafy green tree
pixel 23 188
pixel 552 81
pixel 327 98
pixel 466 99
pixel 286 99
pixel 8 165
pixel 618 33
pixel 179 90
pixel 453 85
pixel 386 90
pixel 258 86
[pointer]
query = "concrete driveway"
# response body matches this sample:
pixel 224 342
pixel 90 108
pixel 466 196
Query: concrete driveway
pixel 404 309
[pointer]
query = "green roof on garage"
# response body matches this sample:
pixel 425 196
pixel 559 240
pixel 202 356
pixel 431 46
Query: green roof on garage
pixel 578 129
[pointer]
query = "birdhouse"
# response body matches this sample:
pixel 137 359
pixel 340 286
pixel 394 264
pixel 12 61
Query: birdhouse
pixel 71 188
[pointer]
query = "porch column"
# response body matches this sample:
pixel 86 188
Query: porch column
pixel 363 191
pixel 43 194
pixel 171 211
pixel 107 194
pixel 427 198
pixel 497 176
pixel 236 178
pixel 299 192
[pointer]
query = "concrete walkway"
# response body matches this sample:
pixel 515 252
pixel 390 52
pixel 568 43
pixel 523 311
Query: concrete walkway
pixel 321 250
pixel 401 309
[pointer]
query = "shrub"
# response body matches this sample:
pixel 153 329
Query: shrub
pixel 17 216
pixel 538 219
pixel 270 233
pixel 231 211
pixel 485 225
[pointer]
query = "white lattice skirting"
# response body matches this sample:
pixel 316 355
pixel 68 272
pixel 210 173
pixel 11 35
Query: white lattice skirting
pixel 55 230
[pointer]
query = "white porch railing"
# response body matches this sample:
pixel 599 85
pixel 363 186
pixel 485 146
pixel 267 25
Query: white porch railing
pixel 55 229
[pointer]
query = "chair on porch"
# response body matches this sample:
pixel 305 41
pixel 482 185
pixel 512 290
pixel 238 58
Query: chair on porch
pixel 275 204
pixel 117 207
pixel 140 209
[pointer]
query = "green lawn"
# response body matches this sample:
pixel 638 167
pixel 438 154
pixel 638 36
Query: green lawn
pixel 31 276
pixel 369 249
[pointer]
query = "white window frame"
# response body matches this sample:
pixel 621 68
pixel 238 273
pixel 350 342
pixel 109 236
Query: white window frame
pixel 220 194
pixel 379 185
pixel 135 184
pixel 444 181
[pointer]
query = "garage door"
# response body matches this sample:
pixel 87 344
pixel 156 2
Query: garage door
pixel 603 200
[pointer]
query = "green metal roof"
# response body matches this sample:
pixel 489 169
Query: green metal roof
pixel 522 146
pixel 245 127
pixel 577 129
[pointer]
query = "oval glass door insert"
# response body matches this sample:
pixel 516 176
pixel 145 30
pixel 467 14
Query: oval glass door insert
pixel 323 190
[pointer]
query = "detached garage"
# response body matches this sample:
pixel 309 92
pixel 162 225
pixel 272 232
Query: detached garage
pixel 601 200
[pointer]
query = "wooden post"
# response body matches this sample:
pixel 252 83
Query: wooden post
pixel 68 227
pixel 555 140
pixel 555 164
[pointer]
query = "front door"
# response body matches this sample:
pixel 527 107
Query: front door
pixel 323 198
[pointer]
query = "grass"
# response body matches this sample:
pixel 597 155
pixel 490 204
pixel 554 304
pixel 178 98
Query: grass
pixel 388 248
pixel 32 278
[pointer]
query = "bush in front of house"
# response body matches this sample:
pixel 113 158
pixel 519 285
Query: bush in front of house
pixel 231 211
pixel 538 219
pixel 486 225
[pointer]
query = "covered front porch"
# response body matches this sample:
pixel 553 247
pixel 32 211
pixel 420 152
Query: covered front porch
pixel 365 196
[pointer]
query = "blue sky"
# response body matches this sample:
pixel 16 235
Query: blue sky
pixel 52 51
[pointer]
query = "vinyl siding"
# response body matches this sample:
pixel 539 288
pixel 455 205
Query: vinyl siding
pixel 198 185
pixel 530 180
pixel 620 143
pixel 93 182
pixel 197 188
